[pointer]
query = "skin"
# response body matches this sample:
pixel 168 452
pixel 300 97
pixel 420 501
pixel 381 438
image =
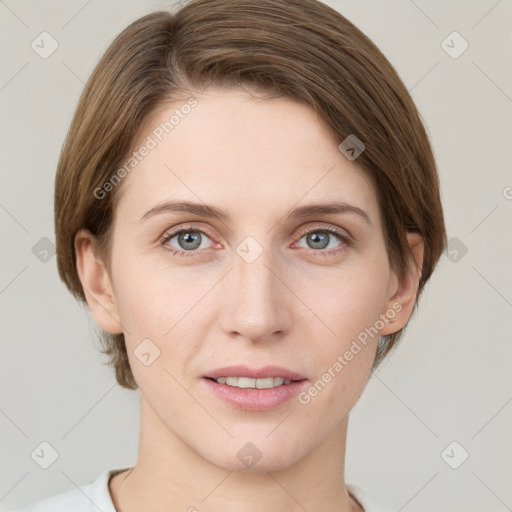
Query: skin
pixel 257 158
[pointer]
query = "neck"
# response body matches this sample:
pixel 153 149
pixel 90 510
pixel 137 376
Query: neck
pixel 170 475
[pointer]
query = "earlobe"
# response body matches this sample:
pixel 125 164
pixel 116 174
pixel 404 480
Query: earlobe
pixel 96 283
pixel 404 291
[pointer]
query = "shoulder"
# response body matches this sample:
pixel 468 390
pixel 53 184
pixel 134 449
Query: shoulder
pixel 367 502
pixel 87 498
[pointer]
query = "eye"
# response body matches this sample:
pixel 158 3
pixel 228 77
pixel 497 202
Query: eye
pixel 323 240
pixel 188 240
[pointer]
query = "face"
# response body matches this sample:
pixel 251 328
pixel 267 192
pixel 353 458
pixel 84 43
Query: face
pixel 262 286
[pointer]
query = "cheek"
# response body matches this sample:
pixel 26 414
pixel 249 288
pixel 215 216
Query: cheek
pixel 347 306
pixel 153 296
pixel 350 300
pixel 164 304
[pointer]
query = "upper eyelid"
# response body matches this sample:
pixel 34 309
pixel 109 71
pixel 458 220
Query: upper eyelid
pixel 330 229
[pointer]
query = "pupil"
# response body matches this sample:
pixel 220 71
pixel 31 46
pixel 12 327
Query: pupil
pixel 321 239
pixel 187 238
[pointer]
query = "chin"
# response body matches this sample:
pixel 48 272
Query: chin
pixel 254 456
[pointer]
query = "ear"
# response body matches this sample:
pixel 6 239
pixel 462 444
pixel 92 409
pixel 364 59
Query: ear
pixel 402 292
pixel 96 283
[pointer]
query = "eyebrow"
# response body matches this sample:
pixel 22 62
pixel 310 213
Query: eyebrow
pixel 204 210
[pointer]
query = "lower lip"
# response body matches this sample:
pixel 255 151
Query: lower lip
pixel 249 399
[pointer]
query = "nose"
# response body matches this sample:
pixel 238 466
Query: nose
pixel 256 299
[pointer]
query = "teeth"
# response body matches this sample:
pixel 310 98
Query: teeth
pixel 246 382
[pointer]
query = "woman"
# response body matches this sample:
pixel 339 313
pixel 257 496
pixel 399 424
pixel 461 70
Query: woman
pixel 248 202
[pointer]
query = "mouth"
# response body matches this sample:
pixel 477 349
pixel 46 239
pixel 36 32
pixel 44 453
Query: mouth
pixel 248 383
pixel 255 389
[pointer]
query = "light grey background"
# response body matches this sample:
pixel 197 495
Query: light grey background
pixel 448 381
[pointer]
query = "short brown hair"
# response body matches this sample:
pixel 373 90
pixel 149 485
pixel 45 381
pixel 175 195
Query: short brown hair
pixel 301 49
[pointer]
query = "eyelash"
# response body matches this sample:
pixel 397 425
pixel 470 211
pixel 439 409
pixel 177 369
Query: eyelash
pixel 347 241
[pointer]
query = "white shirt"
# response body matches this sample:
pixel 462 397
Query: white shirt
pixel 96 496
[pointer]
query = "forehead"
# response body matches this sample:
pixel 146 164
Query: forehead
pixel 239 150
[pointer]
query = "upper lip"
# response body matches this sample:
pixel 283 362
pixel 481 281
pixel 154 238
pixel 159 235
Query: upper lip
pixel 255 373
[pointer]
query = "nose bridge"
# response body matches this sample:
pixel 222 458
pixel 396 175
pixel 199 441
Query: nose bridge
pixel 257 303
